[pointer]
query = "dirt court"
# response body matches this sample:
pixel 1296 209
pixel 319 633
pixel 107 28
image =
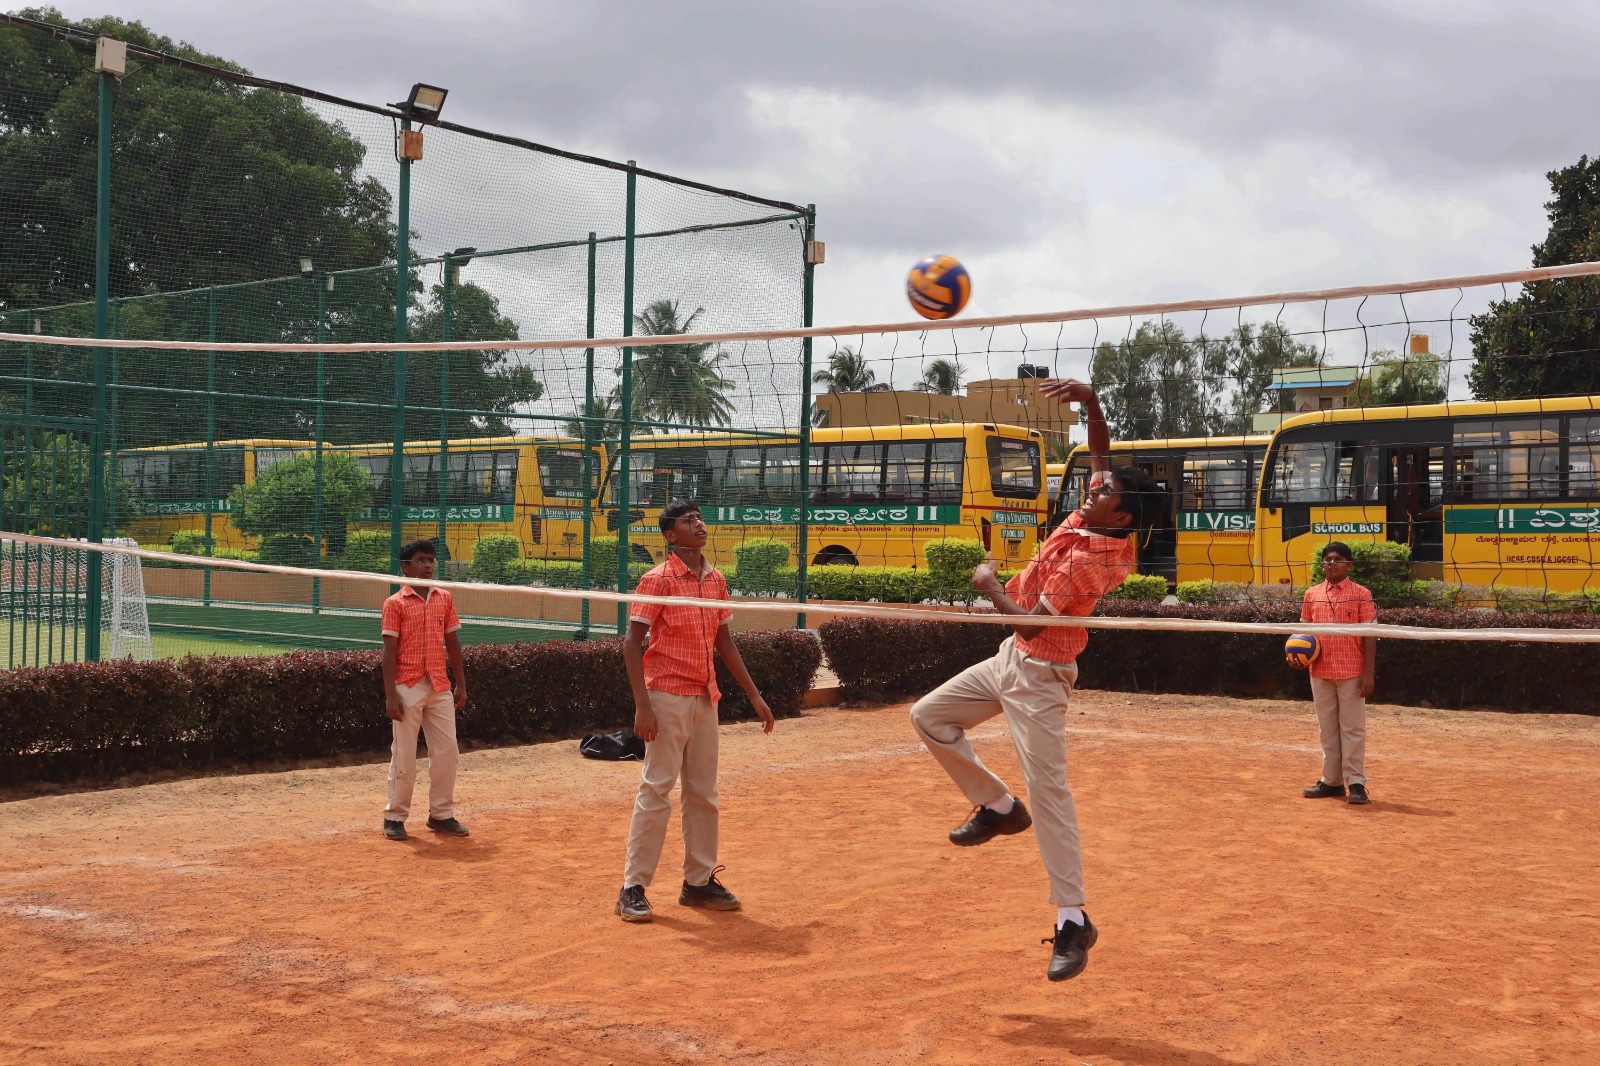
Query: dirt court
pixel 264 919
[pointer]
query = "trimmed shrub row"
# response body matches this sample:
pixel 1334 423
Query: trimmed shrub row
pixel 1508 675
pixel 99 720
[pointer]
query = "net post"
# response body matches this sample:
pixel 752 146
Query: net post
pixel 626 413
pixel 444 401
pixel 590 480
pixel 113 397
pixel 211 435
pixel 102 297
pixel 402 297
pixel 321 281
pixel 803 533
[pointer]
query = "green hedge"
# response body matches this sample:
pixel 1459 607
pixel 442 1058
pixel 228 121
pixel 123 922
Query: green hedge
pixel 491 555
pixel 365 549
pixel 99 720
pixel 1506 675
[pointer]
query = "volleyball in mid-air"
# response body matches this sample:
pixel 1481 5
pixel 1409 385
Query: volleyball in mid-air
pixel 938 287
pixel 1302 649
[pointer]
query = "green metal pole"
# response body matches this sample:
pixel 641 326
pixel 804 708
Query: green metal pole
pixel 402 302
pixel 624 448
pixel 322 429
pixel 211 435
pixel 803 534
pixel 589 480
pixel 115 399
pixel 102 323
pixel 444 399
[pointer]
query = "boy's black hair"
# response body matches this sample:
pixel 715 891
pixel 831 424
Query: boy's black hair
pixel 676 510
pixel 1339 548
pixel 418 547
pixel 1138 495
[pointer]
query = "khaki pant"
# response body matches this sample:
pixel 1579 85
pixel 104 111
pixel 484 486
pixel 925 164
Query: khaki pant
pixel 434 713
pixel 686 747
pixel 1032 694
pixel 1342 715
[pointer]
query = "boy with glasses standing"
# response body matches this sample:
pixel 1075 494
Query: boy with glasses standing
pixel 1342 677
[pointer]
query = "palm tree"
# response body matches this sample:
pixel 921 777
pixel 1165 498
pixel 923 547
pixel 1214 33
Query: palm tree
pixel 847 372
pixel 601 413
pixel 942 376
pixel 679 383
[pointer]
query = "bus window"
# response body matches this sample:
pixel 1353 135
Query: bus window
pixel 561 473
pixel 180 476
pixel 906 474
pixel 1583 459
pixel 945 459
pixel 1217 481
pixel 741 481
pixel 1325 471
pixel 1511 460
pixel 658 476
pixel 1013 468
pixel 852 473
pixel 477 477
pixel 267 458
pixel 781 476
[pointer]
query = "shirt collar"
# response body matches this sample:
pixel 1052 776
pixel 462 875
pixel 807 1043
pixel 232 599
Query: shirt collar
pixel 412 589
pixel 676 567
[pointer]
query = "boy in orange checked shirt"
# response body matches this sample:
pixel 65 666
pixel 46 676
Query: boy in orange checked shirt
pixel 420 631
pixel 1342 677
pixel 675 713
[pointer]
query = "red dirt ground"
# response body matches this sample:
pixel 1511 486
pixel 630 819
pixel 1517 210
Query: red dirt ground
pixel 265 919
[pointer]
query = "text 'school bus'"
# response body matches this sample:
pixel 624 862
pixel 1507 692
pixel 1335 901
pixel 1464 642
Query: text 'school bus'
pixel 879 494
pixel 1485 493
pixel 531 488
pixel 1212 482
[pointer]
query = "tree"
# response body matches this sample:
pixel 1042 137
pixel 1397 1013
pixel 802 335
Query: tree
pixel 46 479
pixel 1161 383
pixel 214 184
pixel 678 383
pixel 1546 340
pixel 283 499
pixel 942 376
pixel 847 372
pixel 1421 377
pixel 602 414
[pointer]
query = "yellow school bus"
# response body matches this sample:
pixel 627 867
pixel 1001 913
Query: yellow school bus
pixel 1212 482
pixel 168 485
pixel 1484 493
pixel 879 494
pixel 528 487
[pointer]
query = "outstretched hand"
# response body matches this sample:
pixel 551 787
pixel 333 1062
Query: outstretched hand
pixel 1067 390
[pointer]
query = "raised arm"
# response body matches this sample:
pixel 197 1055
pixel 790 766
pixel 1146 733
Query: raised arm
pixel 1071 390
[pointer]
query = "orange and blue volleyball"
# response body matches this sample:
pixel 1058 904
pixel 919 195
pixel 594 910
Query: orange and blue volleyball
pixel 938 287
pixel 1302 649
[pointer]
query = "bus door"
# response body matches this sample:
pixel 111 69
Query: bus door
pixel 1159 553
pixel 1413 493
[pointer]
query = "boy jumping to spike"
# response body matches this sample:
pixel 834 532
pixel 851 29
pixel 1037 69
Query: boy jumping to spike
pixel 1030 679
pixel 675 713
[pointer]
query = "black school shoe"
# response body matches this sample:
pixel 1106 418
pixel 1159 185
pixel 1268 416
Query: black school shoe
pixel 1358 795
pixel 1070 955
pixel 1323 790
pixel 985 825
pixel 632 906
pixel 394 830
pixel 711 895
pixel 448 827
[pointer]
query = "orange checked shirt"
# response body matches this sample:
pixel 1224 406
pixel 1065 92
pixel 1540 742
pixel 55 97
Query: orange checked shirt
pixel 1070 574
pixel 682 639
pixel 1346 603
pixel 420 622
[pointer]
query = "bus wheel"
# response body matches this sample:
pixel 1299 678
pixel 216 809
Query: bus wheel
pixel 833 555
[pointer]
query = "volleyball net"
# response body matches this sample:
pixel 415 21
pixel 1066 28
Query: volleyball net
pixel 1445 429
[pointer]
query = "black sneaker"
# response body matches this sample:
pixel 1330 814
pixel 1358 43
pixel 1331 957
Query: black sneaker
pixel 1071 952
pixel 1358 795
pixel 1323 790
pixel 711 895
pixel 394 830
pixel 448 826
pixel 985 825
pixel 632 905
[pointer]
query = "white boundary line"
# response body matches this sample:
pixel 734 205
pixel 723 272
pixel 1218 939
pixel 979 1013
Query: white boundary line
pixel 887 612
pixel 1505 277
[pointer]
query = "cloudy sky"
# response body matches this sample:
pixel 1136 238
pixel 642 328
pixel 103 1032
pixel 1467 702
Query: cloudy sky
pixel 1071 153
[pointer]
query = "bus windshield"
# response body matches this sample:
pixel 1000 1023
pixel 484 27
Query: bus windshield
pixel 1013 468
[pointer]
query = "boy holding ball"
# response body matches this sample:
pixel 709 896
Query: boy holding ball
pixel 1342 676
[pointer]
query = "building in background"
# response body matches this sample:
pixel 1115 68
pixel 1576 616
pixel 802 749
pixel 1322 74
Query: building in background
pixel 1011 401
pixel 1298 390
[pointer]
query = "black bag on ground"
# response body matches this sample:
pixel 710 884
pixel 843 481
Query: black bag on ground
pixel 621 746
